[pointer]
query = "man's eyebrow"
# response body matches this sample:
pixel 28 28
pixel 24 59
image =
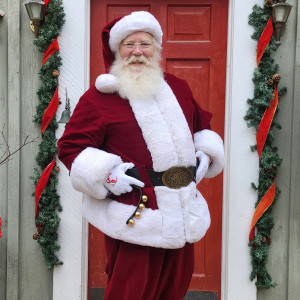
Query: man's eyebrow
pixel 142 41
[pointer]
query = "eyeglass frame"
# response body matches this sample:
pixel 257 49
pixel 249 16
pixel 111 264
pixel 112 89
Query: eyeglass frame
pixel 133 45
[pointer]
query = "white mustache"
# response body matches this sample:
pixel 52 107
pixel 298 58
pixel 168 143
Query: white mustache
pixel 137 59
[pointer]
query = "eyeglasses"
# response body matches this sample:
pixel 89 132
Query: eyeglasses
pixel 132 45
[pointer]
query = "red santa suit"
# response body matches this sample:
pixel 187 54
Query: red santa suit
pixel 154 258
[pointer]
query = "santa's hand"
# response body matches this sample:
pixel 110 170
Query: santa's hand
pixel 118 182
pixel 203 165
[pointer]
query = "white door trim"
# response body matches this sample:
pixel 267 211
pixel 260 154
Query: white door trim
pixel 241 164
pixel 70 279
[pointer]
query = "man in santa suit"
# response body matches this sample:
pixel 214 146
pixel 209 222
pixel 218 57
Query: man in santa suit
pixel 132 146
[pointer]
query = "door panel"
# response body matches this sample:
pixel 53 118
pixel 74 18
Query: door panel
pixel 200 70
pixel 189 23
pixel 194 48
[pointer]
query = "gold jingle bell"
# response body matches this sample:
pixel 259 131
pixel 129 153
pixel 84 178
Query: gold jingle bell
pixel 131 222
pixel 137 215
pixel 141 206
pixel 144 198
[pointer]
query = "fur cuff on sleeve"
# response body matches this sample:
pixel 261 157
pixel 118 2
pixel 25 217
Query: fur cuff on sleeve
pixel 89 170
pixel 211 143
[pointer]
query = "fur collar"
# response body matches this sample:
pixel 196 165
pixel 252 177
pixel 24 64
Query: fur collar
pixel 163 125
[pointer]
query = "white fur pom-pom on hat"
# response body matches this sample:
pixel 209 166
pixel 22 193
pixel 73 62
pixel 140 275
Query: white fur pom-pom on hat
pixel 107 83
pixel 136 21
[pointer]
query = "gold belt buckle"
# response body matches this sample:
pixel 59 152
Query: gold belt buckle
pixel 177 177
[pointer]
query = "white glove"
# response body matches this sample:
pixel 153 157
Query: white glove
pixel 118 182
pixel 203 166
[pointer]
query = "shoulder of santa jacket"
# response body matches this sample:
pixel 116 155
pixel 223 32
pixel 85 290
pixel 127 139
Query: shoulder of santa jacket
pixel 177 84
pixel 93 95
pixel 172 79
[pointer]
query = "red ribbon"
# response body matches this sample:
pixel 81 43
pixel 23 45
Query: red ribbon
pixel 265 123
pixel 53 47
pixel 46 4
pixel 263 129
pixel 50 111
pixel 41 186
pixel 263 205
pixel 264 40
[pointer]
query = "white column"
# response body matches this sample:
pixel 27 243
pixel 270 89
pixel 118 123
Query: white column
pixel 70 279
pixel 241 164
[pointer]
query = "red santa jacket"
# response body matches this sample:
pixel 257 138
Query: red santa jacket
pixel 154 133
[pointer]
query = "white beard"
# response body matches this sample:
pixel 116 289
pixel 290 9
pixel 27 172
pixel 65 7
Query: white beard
pixel 137 81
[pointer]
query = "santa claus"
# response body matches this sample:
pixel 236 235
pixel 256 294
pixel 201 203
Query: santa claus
pixel 136 146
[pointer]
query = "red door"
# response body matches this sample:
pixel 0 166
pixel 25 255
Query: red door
pixel 194 48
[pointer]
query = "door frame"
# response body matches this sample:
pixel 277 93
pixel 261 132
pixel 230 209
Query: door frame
pixel 70 279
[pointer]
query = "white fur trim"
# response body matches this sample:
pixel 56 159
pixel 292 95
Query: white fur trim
pixel 182 217
pixel 197 217
pixel 89 170
pixel 185 213
pixel 136 21
pixel 155 132
pixel 177 125
pixel 107 83
pixel 165 129
pixel 211 143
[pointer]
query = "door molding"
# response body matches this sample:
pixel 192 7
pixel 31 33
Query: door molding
pixel 85 225
pixel 241 165
pixel 70 279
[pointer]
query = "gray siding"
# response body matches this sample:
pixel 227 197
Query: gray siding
pixel 3 169
pixel 284 255
pixel 23 274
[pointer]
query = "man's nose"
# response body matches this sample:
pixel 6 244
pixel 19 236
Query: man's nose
pixel 137 51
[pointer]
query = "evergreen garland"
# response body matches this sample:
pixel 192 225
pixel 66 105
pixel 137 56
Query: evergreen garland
pixel 49 205
pixel 270 159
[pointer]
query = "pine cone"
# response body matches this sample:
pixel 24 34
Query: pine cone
pixel 269 240
pixel 36 236
pixel 269 3
pixel 55 73
pixel 270 170
pixel 270 82
pixel 40 230
pixel 56 169
pixel 276 78
pixel 264 239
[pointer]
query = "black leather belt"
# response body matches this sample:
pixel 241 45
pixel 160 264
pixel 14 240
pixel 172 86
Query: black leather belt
pixel 175 177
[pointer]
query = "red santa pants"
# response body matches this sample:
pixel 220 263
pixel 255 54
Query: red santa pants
pixel 146 273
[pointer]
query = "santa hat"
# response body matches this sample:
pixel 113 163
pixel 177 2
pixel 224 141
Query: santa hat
pixel 114 33
pixel 117 30
pixel 136 21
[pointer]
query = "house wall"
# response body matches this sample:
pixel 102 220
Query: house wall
pixel 23 273
pixel 284 253
pixel 3 168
